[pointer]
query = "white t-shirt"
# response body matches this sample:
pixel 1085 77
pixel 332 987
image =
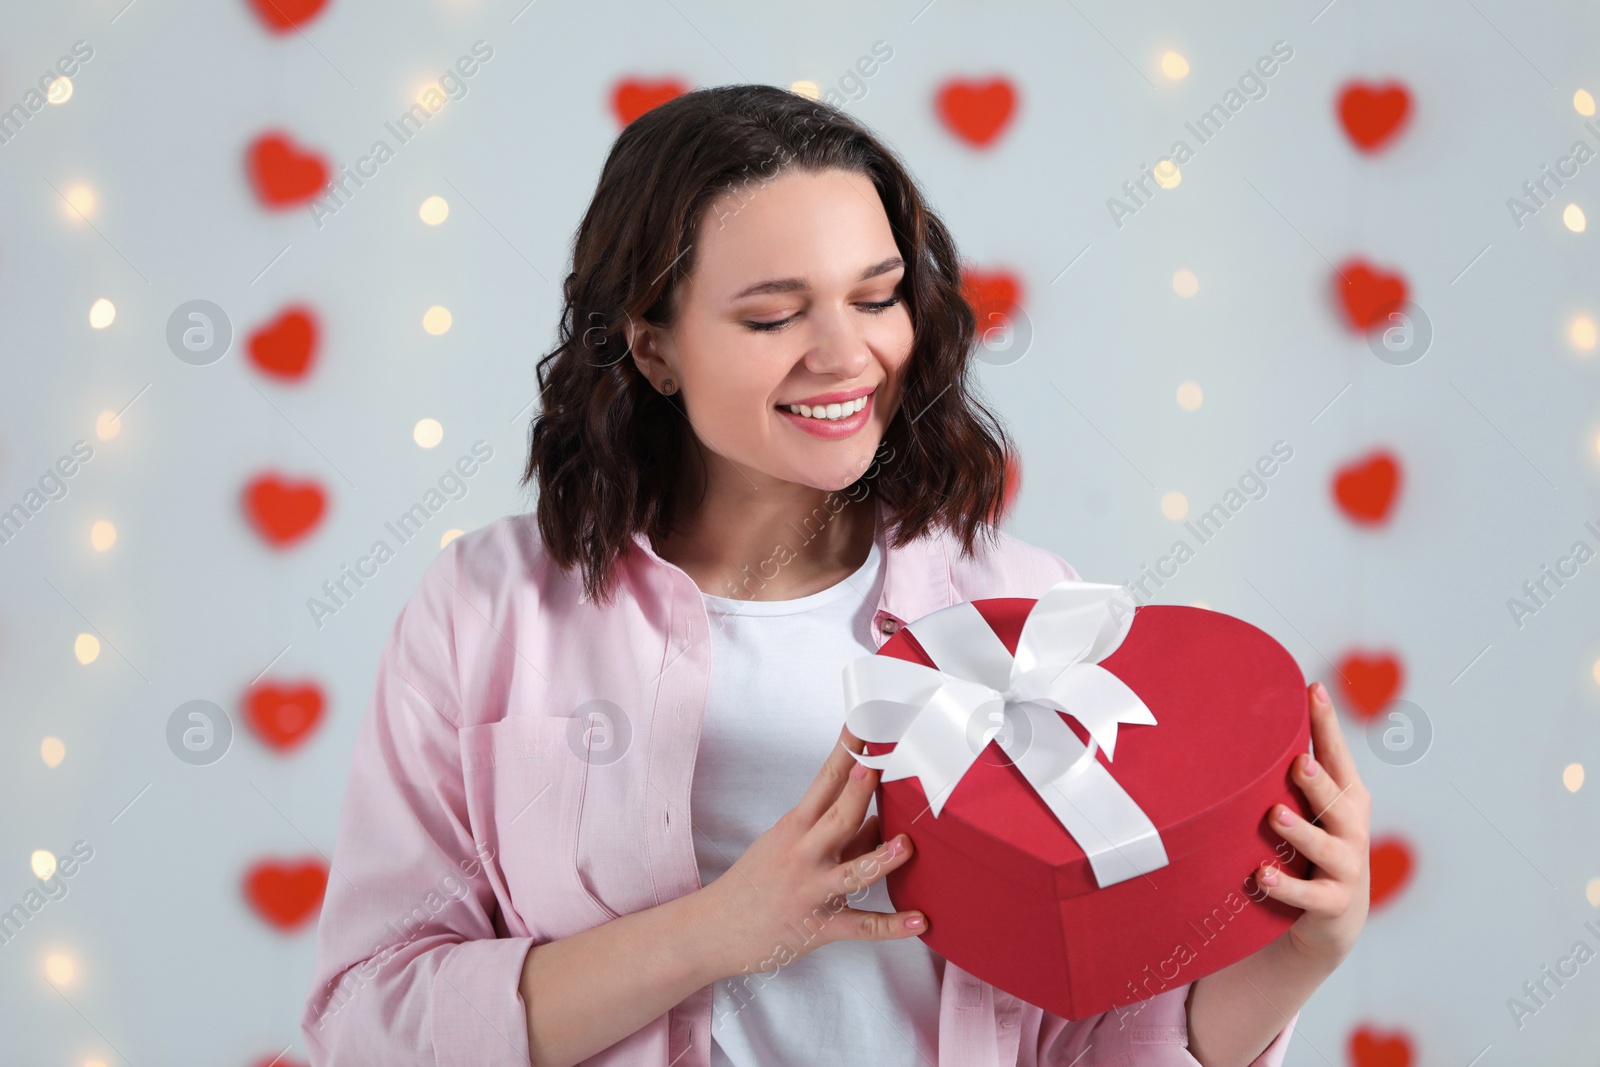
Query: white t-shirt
pixel 773 714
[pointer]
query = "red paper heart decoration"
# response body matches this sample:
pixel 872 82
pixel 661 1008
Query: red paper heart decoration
pixel 285 346
pixel 286 894
pixel 1373 114
pixel 283 511
pixel 1367 488
pixel 1370 682
pixel 1367 295
pixel 1390 865
pixel 283 716
pixel 1376 1048
pixel 632 97
pixel 281 16
pixel 977 111
pixel 283 174
pixel 994 295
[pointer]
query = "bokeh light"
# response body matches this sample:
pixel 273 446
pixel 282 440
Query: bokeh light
pixel 81 202
pixel 1190 397
pixel 1572 777
pixel 60 969
pixel 107 426
pixel 427 432
pixel 1167 174
pixel 102 313
pixel 60 91
pixel 1583 103
pixel 102 535
pixel 52 750
pixel 43 863
pixel 1185 284
pixel 1572 217
pixel 1174 66
pixel 1174 505
pixel 437 320
pixel 86 648
pixel 1581 332
pixel 434 210
pixel 808 89
pixel 448 536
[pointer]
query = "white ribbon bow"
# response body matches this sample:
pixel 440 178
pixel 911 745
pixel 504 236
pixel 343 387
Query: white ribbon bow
pixel 940 718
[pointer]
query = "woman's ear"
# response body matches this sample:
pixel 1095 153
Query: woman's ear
pixel 644 346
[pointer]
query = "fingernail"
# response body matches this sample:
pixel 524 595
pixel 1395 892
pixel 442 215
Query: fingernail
pixel 892 849
pixel 1311 767
pixel 1268 876
pixel 859 770
pixel 1320 692
pixel 1285 816
pixel 916 922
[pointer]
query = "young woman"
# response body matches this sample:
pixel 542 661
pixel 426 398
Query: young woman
pixel 584 820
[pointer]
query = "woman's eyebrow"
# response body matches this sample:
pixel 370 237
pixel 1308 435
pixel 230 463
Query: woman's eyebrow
pixel 789 285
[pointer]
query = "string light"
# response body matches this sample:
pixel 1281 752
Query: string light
pixel 433 91
pixel 102 313
pixel 81 202
pixel 434 210
pixel 59 969
pixel 52 751
pixel 448 536
pixel 43 863
pixel 1174 66
pixel 1190 397
pixel 1185 284
pixel 427 432
pixel 1572 777
pixel 1582 333
pixel 437 320
pixel 1572 216
pixel 102 535
pixel 86 648
pixel 1174 505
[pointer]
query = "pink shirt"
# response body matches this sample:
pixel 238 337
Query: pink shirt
pixel 471 831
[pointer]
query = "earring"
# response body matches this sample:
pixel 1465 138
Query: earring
pixel 667 386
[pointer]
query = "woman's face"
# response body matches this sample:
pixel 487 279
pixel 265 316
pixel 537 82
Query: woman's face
pixel 794 299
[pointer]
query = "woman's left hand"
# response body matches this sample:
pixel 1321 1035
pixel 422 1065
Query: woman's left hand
pixel 1335 898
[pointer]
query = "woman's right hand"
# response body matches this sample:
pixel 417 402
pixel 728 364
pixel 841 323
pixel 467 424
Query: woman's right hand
pixel 789 887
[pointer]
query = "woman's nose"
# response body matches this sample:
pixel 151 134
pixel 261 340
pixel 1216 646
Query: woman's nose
pixel 839 347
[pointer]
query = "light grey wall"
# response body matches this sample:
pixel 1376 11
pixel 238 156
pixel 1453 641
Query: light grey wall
pixel 1496 425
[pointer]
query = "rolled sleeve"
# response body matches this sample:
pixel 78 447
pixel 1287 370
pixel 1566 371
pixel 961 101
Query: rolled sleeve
pixel 1151 1033
pixel 410 967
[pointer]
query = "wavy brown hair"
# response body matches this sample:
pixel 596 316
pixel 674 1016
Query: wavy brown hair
pixel 606 446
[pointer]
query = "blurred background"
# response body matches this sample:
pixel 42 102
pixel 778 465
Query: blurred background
pixel 1346 241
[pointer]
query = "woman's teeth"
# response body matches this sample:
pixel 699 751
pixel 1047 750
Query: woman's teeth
pixel 828 411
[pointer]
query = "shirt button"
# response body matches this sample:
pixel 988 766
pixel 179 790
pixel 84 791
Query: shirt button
pixel 890 624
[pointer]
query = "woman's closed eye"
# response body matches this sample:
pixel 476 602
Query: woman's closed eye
pixel 875 307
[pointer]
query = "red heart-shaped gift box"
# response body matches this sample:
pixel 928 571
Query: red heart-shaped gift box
pixel 1011 897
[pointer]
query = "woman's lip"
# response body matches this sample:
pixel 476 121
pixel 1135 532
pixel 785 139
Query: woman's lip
pixel 831 429
pixel 825 399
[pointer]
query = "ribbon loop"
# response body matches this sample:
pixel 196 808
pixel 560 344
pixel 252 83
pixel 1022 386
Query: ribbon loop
pixel 929 714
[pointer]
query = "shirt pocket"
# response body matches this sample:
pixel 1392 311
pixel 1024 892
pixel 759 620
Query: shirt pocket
pixel 525 795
